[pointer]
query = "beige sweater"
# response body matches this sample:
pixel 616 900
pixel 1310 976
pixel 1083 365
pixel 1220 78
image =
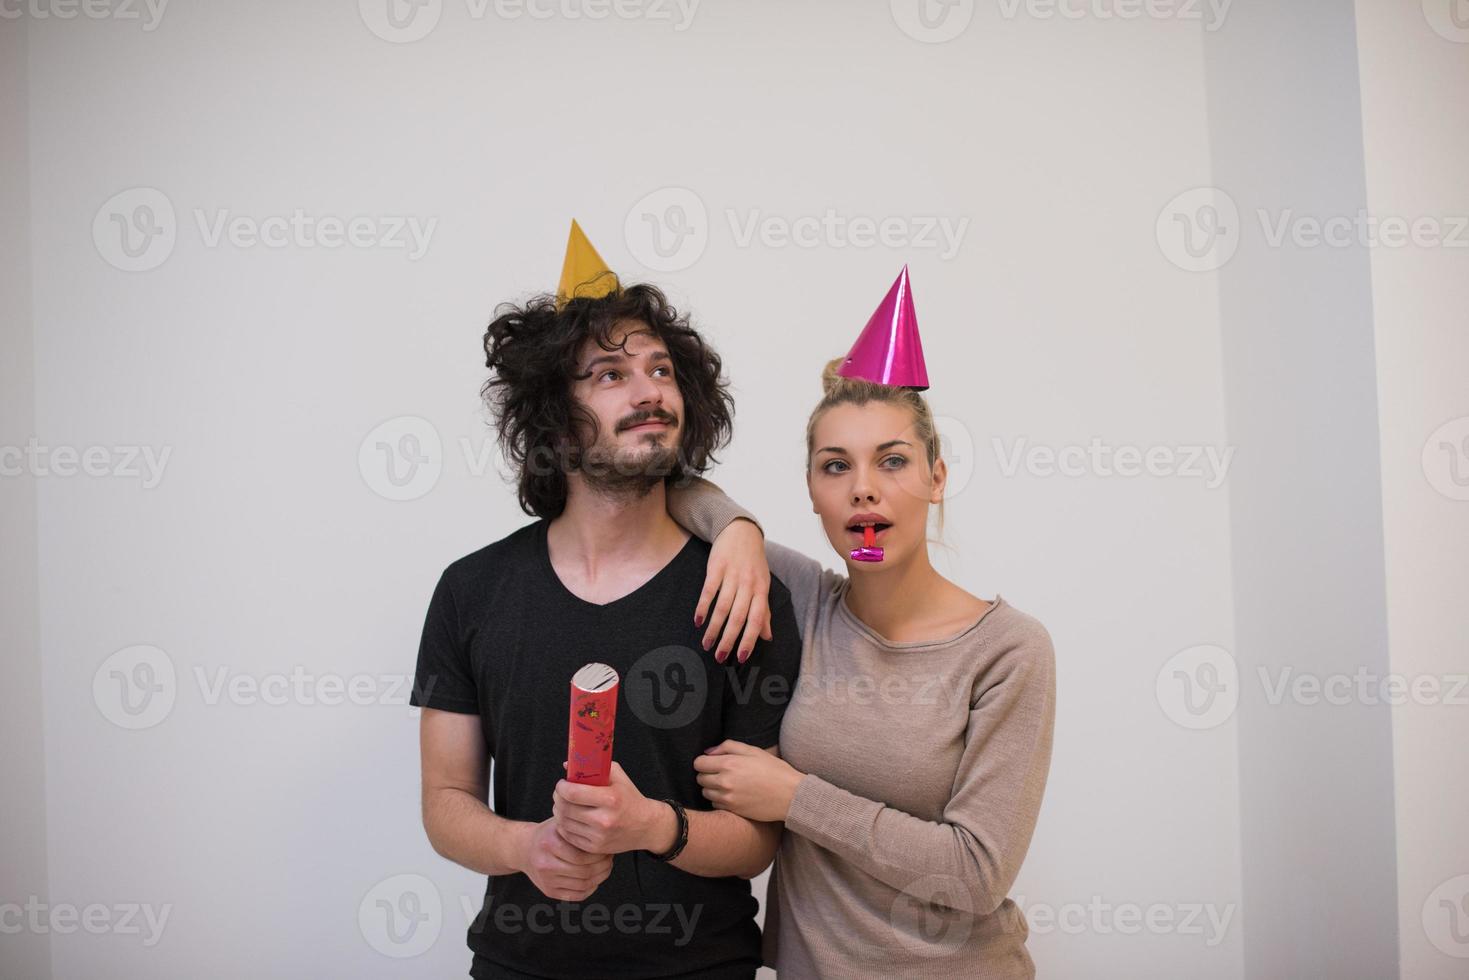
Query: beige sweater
pixel 925 764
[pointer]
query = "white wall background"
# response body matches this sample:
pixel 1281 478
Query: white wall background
pixel 269 549
pixel 1411 79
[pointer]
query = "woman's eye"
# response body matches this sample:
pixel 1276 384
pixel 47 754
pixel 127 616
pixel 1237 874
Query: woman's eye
pixel 896 461
pixel 607 374
pixel 665 371
pixel 833 463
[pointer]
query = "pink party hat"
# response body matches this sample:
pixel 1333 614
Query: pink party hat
pixel 889 351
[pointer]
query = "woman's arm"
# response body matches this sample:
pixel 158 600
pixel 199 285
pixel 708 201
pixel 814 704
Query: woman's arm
pixel 736 574
pixel 808 581
pixel 704 510
pixel 708 513
pixel 987 824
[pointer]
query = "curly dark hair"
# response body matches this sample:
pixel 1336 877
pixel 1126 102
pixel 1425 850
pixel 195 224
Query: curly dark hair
pixel 532 351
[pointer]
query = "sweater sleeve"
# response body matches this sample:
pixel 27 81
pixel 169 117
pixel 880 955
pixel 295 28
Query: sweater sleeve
pixel 702 509
pixel 988 823
pixel 806 579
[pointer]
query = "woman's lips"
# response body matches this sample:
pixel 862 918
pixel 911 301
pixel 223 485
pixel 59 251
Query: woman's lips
pixel 857 535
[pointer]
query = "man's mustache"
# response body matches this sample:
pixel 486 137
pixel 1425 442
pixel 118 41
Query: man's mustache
pixel 642 417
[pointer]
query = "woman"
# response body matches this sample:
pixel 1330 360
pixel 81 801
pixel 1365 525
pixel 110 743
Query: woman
pixel 915 748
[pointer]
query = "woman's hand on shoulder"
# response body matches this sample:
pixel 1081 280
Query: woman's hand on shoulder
pixel 737 584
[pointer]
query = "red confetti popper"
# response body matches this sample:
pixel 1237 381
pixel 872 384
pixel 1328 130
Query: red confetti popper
pixel 593 717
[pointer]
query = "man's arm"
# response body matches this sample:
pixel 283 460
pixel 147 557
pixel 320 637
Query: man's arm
pixel 462 827
pixel 617 817
pixel 460 824
pixel 723 843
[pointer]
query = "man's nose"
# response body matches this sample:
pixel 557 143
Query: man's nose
pixel 645 392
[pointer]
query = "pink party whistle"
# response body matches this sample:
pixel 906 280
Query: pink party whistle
pixel 869 550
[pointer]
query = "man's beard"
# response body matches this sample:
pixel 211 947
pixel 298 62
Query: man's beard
pixel 615 470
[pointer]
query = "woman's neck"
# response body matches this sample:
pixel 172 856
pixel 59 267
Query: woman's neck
pixel 892 599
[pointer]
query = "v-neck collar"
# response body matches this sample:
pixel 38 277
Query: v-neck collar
pixel 543 561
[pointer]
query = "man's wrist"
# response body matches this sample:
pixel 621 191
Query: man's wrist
pixel 662 827
pixel 518 839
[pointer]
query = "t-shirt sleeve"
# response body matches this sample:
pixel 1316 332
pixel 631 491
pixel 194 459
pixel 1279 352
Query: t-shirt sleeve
pixel 444 679
pixel 759 690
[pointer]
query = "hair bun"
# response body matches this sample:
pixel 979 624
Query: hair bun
pixel 829 376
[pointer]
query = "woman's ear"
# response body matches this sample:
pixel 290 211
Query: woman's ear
pixel 809 494
pixel 940 480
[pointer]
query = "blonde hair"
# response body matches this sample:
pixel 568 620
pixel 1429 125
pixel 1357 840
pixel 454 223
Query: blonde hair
pixel 837 390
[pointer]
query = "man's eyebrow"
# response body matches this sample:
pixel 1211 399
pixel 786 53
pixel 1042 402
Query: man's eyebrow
pixel 617 357
pixel 887 445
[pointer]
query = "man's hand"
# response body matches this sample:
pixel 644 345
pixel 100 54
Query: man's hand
pixel 614 818
pixel 740 576
pixel 561 870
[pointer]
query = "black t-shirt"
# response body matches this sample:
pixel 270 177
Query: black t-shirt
pixel 502 638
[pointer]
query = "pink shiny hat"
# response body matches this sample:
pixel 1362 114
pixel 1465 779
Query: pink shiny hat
pixel 889 351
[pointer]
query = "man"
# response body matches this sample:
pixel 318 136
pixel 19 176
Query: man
pixel 600 401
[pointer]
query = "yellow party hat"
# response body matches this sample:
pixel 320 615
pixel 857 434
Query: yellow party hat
pixel 583 274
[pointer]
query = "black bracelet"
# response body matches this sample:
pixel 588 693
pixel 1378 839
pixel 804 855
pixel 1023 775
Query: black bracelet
pixel 683 833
